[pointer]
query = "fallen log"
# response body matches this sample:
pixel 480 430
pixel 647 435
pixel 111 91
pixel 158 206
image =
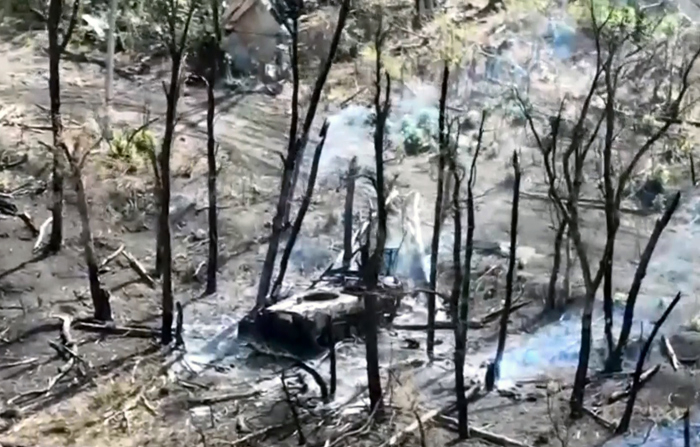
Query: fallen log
pixel 427 417
pixel 439 325
pixel 451 423
pixel 600 419
pixel 139 269
pixel 643 379
pixel 132 331
pixel 218 398
pixel 111 257
pixel 43 229
pixel 669 352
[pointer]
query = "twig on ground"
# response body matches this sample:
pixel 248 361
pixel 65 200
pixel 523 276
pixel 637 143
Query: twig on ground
pixel 139 269
pixel 219 397
pixel 493 438
pixel 427 417
pixel 293 408
pixel 111 257
pixel 24 362
pixel 364 428
pixel 643 379
pixel 492 315
pixel 670 352
pixel 28 222
pixel 600 419
pixel 42 234
pixel 139 332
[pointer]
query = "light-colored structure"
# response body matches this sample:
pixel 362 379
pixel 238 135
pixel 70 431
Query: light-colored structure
pixel 252 35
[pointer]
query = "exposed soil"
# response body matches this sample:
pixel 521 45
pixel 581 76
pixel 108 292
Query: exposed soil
pixel 128 402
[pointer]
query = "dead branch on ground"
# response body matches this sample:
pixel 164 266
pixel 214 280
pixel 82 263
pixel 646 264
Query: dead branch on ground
pixel 670 353
pixel 599 419
pixel 397 438
pixel 43 230
pixel 111 257
pixel 222 397
pixel 293 408
pixel 451 423
pixel 137 267
pixel 636 379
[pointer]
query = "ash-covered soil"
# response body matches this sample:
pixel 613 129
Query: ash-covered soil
pixel 126 400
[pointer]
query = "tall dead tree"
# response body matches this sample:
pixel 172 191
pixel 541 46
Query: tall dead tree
pixel 614 195
pixel 301 214
pixel 109 65
pixel 76 156
pixel 316 98
pixel 613 66
pixel 550 152
pixel 373 267
pixel 639 274
pixel 493 371
pixel 176 48
pixel 437 219
pixel 295 148
pixel 463 302
pixel 57 46
pixel 214 59
pixel 624 424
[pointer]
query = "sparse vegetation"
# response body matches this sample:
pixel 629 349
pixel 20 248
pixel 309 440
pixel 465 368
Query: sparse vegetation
pixel 585 165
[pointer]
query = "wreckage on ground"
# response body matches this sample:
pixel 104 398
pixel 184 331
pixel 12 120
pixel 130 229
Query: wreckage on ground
pixel 256 39
pixel 332 308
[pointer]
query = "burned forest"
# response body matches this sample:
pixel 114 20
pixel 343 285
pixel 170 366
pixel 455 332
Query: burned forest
pixel 349 223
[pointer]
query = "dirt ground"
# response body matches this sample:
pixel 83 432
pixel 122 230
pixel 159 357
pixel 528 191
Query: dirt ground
pixel 130 398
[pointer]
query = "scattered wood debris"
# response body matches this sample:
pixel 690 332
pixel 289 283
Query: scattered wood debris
pixel 643 379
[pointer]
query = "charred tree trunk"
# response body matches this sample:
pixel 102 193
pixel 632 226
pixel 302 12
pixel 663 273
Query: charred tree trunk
pixel 614 362
pixel 624 424
pixel 371 274
pixel 374 383
pixel 330 338
pixel 176 49
pixel 301 214
pixel 461 336
pixel 212 263
pixel 100 297
pixel 56 49
pixel 347 217
pixel 284 203
pixel 437 220
pixel 164 217
pixel 556 265
pixel 471 226
pixel 109 65
pixel 612 219
pixel 493 373
pixel 316 98
pixel 460 340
